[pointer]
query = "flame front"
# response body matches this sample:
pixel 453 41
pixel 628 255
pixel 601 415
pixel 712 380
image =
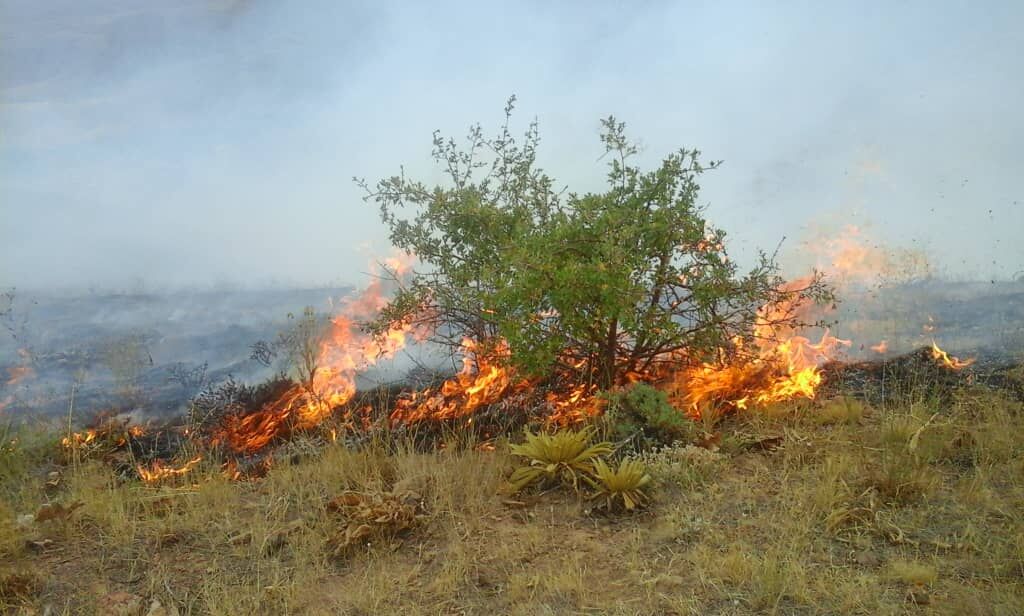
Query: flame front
pixel 775 362
pixel 344 351
pixel 484 379
pixel 158 471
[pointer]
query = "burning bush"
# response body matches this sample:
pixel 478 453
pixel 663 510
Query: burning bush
pixel 601 286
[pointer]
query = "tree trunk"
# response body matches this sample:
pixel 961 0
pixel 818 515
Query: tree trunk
pixel 606 365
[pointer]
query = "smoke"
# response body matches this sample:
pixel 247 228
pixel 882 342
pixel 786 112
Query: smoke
pixel 199 142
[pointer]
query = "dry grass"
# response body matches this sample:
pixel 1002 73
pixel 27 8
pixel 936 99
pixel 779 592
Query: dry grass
pixel 856 510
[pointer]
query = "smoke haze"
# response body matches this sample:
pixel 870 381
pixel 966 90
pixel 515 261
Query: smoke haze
pixel 193 143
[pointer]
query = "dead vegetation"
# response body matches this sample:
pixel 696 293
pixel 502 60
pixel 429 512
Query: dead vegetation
pixel 826 507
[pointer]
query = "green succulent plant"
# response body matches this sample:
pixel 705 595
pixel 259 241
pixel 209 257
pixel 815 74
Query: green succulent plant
pixel 621 485
pixel 560 456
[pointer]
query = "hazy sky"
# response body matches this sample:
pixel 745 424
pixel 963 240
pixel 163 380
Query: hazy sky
pixel 201 142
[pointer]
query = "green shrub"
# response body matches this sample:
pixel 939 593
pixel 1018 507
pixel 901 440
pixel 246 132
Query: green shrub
pixel 600 284
pixel 644 415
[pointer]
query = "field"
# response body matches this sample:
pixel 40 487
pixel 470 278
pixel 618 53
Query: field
pixel 831 506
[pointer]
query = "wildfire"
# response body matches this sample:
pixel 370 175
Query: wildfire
pixel 576 405
pixel 775 362
pixel 850 258
pixel 344 351
pixel 157 471
pixel 949 361
pixel 483 380
pixel 787 370
pixel 111 433
pixel 17 374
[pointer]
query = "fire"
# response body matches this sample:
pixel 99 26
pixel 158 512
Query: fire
pixel 344 351
pixel 78 439
pixel 782 365
pixel 157 471
pixel 777 361
pixel 578 404
pixel 849 257
pixel 949 361
pixel 483 380
pixel 18 374
pixel 110 433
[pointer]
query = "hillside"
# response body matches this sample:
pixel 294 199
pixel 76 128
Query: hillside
pixel 821 507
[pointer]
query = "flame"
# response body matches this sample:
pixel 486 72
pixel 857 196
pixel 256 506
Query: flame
pixel 345 350
pixel 78 439
pixel 578 404
pixel 17 374
pixel 110 433
pixel 231 471
pixel 777 361
pixel 782 365
pixel 949 361
pixel 848 257
pixel 157 471
pixel 484 379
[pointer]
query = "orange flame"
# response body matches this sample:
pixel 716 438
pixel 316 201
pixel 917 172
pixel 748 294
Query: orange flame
pixel 483 380
pixel 157 471
pixel 110 433
pixel 949 361
pixel 785 365
pixel 18 374
pixel 776 362
pixel 344 351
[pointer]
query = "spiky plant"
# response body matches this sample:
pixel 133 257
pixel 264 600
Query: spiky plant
pixel 623 484
pixel 563 456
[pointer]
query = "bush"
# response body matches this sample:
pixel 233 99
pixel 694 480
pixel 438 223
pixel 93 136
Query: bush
pixel 644 415
pixel 598 284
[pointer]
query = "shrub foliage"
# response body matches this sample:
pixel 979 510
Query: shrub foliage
pixel 603 284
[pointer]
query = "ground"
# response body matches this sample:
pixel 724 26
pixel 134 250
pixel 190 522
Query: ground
pixel 824 507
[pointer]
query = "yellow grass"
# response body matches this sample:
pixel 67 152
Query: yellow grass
pixel 858 511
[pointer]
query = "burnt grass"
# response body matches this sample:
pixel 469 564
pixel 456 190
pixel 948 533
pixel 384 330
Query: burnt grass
pixel 894 492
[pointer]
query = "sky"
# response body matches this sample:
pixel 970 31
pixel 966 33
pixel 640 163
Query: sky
pixel 154 145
